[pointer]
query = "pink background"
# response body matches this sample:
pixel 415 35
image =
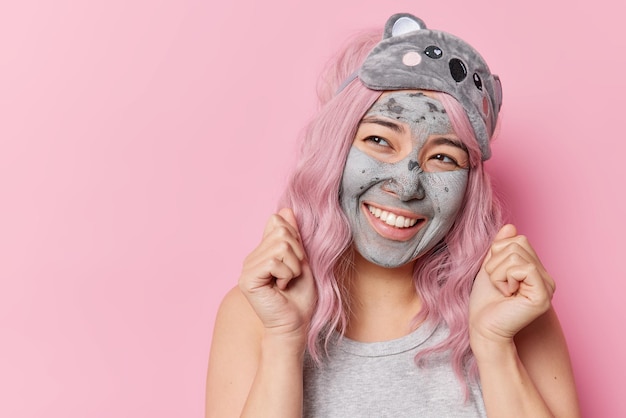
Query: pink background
pixel 144 143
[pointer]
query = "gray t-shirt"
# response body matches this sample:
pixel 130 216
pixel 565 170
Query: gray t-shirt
pixel 381 379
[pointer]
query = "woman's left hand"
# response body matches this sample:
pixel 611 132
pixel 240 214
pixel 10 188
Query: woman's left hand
pixel 511 289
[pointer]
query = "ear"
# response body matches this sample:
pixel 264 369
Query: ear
pixel 402 23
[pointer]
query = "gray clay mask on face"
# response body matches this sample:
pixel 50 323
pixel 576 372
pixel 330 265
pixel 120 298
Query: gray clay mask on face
pixel 397 211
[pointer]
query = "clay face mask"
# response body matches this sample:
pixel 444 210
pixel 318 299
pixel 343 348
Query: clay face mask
pixel 399 208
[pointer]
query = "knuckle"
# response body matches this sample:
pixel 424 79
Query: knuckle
pixel 271 263
pixel 546 303
pixel 248 260
pixel 550 284
pixel 515 258
pixel 516 246
pixel 282 231
pixel 521 240
pixel 297 270
pixel 282 246
pixel 275 219
pixel 532 269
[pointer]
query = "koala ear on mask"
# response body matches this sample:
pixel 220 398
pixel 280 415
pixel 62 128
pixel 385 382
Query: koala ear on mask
pixel 411 56
pixel 402 23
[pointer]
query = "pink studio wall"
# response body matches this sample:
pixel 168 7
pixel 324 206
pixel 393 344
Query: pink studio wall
pixel 144 143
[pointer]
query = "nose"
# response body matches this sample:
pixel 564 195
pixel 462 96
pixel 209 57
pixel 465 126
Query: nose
pixel 407 182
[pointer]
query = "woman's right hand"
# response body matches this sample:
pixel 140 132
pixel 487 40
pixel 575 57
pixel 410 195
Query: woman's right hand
pixel 277 281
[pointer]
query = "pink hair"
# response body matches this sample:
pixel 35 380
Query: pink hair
pixel 313 189
pixel 444 276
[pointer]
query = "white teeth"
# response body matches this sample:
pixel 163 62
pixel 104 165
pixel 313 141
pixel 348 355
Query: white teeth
pixel 392 219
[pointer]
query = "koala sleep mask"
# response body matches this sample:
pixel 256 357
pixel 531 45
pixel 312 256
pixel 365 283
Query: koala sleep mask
pixel 410 56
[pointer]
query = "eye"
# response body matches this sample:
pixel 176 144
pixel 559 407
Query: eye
pixel 378 141
pixel 446 159
pixel 439 162
pixel 444 154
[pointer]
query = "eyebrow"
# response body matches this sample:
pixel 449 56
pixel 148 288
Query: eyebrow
pixel 442 140
pixel 383 122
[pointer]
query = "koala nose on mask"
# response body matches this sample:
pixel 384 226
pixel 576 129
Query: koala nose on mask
pixel 407 183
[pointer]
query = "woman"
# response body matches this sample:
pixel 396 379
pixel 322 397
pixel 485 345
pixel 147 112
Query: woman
pixel 387 285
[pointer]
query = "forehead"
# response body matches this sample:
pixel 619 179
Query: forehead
pixel 418 109
pixel 406 101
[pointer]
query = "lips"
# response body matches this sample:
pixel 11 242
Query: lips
pixel 395 225
pixel 390 218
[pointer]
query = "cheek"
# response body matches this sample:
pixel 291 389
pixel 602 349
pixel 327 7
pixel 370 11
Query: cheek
pixel 360 173
pixel 447 190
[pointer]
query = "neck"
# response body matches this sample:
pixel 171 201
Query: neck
pixel 383 301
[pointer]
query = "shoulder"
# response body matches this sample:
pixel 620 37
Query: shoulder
pixel 542 349
pixel 234 355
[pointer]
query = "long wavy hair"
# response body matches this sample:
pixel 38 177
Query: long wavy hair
pixel 443 277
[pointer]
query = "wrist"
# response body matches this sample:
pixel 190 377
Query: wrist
pixel 492 348
pixel 284 345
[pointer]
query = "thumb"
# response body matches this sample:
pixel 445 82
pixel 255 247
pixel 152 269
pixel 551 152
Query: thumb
pixel 288 215
pixel 507 231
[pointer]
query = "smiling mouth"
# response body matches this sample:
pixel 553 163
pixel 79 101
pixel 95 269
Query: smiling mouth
pixel 391 219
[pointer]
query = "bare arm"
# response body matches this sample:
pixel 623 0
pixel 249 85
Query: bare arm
pixel 234 357
pixel 542 349
pixel 277 386
pixel 516 337
pixel 531 377
pixel 250 375
pixel 255 365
